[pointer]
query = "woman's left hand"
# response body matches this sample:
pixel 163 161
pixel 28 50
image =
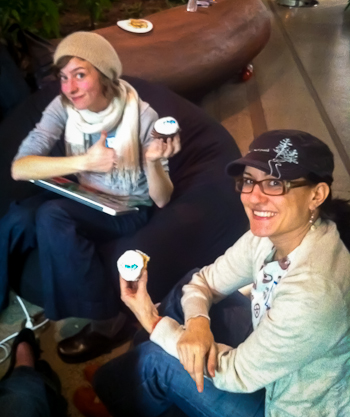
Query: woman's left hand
pixel 159 148
pixel 135 295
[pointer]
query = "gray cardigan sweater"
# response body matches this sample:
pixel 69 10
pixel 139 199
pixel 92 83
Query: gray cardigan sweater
pixel 300 352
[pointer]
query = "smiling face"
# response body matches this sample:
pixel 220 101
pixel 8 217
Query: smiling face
pixel 80 83
pixel 284 218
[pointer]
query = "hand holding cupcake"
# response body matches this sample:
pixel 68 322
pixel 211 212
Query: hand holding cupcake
pixel 164 128
pixel 132 267
pixel 166 140
pixel 131 264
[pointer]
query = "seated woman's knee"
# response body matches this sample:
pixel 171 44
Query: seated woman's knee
pixel 50 213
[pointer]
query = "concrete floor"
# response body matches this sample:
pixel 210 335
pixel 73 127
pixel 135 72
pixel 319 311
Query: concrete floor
pixel 300 82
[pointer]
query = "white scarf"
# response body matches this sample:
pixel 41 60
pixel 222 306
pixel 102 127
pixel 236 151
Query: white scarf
pixel 121 114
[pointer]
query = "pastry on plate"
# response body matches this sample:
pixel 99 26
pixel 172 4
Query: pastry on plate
pixel 138 23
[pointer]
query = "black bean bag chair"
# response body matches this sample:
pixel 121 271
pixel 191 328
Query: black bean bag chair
pixel 203 218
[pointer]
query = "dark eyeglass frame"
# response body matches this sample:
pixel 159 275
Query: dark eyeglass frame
pixel 286 185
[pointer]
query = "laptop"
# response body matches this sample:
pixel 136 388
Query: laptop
pixel 106 203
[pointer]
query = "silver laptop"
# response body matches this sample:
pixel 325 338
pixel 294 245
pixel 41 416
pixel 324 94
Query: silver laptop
pixel 106 203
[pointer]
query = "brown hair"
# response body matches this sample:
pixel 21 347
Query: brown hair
pixel 110 88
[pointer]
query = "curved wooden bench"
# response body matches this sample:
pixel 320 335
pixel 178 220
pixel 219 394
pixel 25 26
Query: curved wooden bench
pixel 193 52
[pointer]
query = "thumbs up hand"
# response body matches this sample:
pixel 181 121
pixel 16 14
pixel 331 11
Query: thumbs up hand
pixel 99 158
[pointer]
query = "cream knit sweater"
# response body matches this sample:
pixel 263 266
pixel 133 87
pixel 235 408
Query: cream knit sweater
pixel 300 351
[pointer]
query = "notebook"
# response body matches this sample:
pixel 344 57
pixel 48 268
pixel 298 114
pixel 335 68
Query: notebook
pixel 103 202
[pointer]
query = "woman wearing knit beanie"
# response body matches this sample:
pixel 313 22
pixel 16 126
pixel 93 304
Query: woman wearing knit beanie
pixel 107 132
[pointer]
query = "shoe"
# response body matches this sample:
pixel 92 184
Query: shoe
pixel 58 405
pixel 88 344
pixel 28 336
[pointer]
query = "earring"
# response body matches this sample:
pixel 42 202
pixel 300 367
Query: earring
pixel 312 220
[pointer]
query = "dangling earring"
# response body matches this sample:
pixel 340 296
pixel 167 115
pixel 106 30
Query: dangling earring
pixel 312 220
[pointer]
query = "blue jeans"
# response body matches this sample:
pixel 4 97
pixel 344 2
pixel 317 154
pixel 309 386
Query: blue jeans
pixel 68 235
pixel 146 381
pixel 26 394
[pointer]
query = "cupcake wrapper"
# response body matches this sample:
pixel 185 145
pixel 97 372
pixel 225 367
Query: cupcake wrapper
pixel 158 135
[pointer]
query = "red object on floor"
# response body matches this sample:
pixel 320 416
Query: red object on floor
pixel 85 398
pixel 247 73
pixel 90 370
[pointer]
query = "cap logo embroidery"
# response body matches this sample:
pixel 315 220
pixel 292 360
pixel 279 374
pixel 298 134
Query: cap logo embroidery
pixel 283 154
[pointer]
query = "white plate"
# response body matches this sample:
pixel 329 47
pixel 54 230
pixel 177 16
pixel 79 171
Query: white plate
pixel 125 24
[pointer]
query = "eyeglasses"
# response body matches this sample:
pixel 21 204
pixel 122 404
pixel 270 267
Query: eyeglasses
pixel 269 186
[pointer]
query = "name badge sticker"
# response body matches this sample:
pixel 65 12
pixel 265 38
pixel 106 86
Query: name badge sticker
pixel 111 141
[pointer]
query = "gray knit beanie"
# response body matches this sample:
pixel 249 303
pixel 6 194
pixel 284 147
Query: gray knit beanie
pixel 93 48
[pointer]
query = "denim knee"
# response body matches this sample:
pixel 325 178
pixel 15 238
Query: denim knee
pixel 127 370
pixel 129 384
pixel 50 214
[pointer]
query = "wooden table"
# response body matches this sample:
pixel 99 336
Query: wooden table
pixel 194 52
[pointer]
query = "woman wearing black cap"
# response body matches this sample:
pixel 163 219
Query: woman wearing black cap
pixel 296 361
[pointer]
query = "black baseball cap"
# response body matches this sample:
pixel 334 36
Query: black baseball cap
pixel 287 155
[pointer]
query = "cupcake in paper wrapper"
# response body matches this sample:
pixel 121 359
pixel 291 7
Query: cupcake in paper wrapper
pixel 131 264
pixel 165 128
